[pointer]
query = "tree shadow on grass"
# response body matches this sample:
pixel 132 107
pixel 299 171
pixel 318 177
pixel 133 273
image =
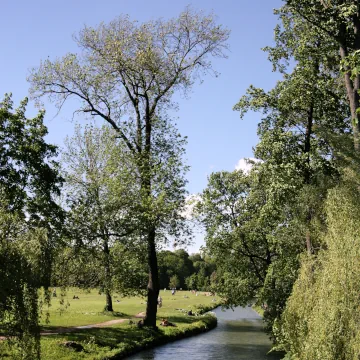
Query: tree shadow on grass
pixel 117 314
pixel 110 336
pixel 63 329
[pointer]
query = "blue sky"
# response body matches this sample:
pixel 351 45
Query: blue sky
pixel 35 30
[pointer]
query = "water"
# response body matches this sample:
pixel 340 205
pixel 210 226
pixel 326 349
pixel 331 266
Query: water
pixel 239 335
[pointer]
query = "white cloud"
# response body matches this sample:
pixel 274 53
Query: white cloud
pixel 245 165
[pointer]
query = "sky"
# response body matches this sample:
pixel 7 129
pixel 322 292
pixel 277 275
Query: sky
pixel 217 138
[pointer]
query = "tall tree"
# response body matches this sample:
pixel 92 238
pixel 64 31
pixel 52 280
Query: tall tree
pixel 131 69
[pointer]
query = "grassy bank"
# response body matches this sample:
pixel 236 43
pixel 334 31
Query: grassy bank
pixel 122 339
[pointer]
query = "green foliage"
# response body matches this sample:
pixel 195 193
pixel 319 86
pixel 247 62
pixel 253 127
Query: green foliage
pixel 29 176
pixel 339 23
pixel 171 264
pixel 174 282
pixel 193 272
pixel 304 116
pixel 30 223
pixel 251 251
pixel 134 69
pixel 322 315
pixel 103 219
pixel 19 282
pixel 230 239
pixel 100 343
pixel 204 267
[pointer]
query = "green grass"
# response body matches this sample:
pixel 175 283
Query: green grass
pixel 89 308
pixel 121 339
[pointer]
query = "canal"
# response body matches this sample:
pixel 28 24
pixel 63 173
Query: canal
pixel 239 335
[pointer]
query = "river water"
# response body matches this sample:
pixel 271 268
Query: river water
pixel 239 335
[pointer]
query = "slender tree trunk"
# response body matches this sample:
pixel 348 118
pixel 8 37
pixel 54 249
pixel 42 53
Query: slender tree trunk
pixel 307 175
pixel 109 305
pixel 153 285
pixel 307 145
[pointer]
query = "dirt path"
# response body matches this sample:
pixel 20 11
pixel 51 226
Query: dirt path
pixel 70 329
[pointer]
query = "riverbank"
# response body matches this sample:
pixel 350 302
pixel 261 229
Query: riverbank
pixel 238 335
pixel 117 342
pixel 164 336
pixel 120 336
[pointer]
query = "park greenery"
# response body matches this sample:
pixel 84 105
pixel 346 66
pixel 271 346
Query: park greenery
pixel 102 212
pixel 123 337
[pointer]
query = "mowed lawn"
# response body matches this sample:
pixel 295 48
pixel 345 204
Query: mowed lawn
pixel 88 309
pixel 105 342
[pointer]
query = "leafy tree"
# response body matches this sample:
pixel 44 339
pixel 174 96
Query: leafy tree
pixel 174 263
pixel 174 282
pixel 133 69
pixel 339 22
pixel 236 235
pixel 321 319
pixel 129 270
pixel 19 312
pixel 191 282
pixel 303 115
pixel 102 196
pixel 204 266
pixel 30 222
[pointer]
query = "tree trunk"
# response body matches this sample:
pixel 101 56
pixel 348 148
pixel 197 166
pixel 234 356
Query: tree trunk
pixel 153 285
pixel 307 175
pixel 307 145
pixel 109 305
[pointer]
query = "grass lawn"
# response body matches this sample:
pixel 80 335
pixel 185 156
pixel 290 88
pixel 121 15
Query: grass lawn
pixel 102 343
pixel 89 308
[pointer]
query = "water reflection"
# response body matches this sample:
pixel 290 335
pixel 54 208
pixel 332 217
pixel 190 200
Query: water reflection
pixel 239 335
